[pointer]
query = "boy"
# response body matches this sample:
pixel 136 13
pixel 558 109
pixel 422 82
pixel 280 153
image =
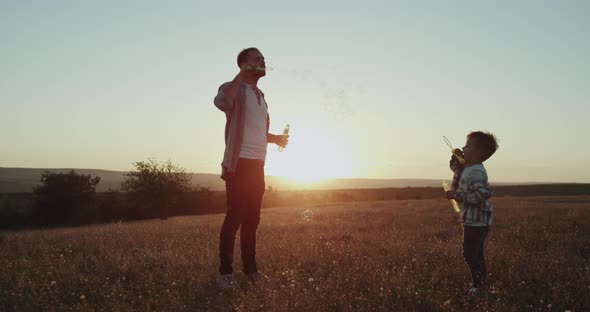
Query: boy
pixel 473 194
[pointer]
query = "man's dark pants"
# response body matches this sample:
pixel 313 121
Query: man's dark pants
pixel 244 191
pixel 473 252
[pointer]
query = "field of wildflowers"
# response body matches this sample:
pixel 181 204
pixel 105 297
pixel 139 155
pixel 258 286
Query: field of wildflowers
pixel 363 256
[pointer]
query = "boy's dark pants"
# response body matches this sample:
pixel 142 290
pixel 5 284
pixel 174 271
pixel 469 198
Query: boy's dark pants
pixel 473 251
pixel 244 191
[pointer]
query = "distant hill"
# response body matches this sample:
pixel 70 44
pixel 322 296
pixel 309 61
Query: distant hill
pixel 23 179
pixel 14 180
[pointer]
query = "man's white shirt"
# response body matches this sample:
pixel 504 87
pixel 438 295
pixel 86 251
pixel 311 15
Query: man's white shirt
pixel 254 143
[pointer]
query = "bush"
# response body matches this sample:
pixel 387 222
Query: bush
pixel 62 197
pixel 156 187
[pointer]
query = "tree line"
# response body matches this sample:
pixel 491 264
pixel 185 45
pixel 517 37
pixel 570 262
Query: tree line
pixel 161 190
pixel 152 189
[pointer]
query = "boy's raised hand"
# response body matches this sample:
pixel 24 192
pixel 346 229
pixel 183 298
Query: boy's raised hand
pixel 454 163
pixel 457 152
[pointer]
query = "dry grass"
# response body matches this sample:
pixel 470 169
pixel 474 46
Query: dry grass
pixel 370 256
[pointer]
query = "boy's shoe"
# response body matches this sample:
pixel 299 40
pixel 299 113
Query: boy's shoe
pixel 254 277
pixel 257 277
pixel 226 281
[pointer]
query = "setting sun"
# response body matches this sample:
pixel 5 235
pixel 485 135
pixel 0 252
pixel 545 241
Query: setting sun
pixel 310 157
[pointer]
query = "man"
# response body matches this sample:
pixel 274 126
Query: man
pixel 246 139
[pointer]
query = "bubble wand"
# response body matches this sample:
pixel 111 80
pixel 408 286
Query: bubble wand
pixel 258 68
pixel 455 151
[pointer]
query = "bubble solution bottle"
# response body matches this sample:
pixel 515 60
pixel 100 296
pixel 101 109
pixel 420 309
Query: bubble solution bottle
pixel 285 133
pixel 446 187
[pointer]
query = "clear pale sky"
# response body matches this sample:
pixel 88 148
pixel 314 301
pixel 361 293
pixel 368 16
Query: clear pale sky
pixel 369 87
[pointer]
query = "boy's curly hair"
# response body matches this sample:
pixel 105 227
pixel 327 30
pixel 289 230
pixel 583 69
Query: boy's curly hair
pixel 485 141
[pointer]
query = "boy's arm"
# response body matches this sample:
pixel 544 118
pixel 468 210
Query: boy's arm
pixel 454 163
pixel 477 189
pixel 457 169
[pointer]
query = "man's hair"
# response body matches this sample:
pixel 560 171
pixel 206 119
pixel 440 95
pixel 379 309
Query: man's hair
pixel 485 142
pixel 243 56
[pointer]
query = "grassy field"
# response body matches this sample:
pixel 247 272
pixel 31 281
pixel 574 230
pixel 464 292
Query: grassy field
pixel 364 256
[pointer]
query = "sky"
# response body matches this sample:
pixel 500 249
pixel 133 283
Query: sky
pixel 369 88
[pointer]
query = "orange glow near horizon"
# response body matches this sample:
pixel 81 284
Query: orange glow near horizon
pixel 311 156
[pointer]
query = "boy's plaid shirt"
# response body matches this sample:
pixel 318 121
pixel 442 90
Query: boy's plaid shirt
pixel 473 193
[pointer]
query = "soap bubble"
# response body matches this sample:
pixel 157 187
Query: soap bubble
pixel 307 215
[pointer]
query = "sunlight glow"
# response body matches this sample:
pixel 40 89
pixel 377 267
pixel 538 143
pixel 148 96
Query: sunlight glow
pixel 311 156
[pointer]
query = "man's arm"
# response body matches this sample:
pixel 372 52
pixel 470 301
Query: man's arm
pixel 277 139
pixel 228 92
pixel 270 138
pixel 477 190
